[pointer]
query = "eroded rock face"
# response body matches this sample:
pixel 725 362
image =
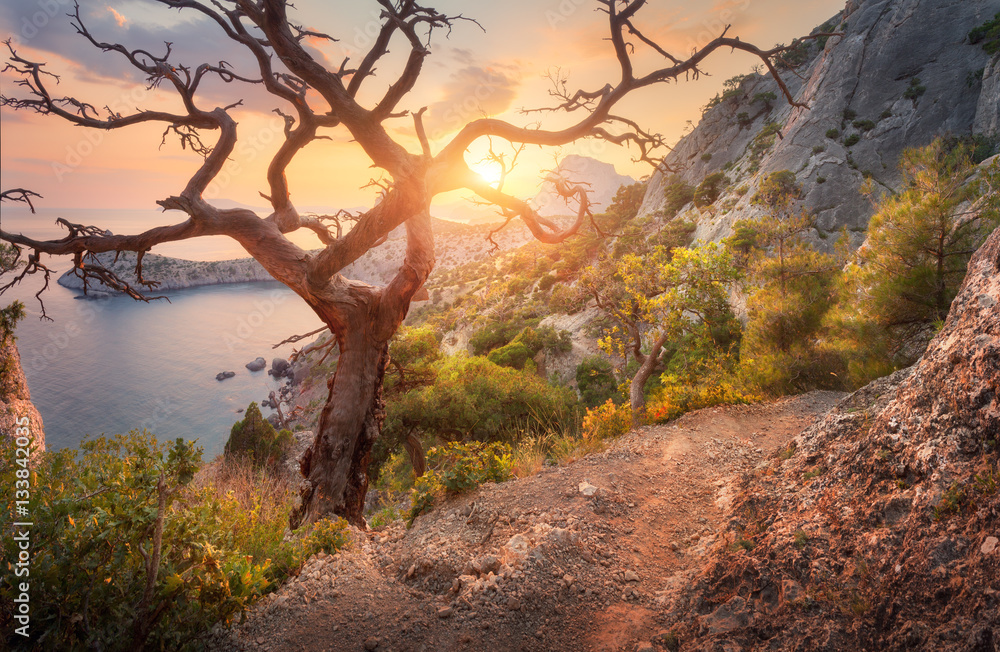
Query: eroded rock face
pixel 988 112
pixel 884 519
pixel 898 78
pixel 15 398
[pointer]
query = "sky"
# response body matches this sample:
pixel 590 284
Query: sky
pixel 495 68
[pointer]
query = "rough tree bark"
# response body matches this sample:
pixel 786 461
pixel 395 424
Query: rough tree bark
pixel 361 317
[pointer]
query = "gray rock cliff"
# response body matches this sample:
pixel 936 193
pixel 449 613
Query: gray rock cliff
pixel 903 73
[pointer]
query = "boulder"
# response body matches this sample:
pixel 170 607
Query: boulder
pixel 222 375
pixel 278 367
pixel 257 364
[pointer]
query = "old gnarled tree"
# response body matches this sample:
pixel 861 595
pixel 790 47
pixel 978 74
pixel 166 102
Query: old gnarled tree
pixel 314 99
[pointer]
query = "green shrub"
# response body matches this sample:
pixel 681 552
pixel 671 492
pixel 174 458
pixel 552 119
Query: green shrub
pixel 743 119
pixel 127 555
pixel 256 439
pixel 475 399
pixel 767 98
pixel 512 355
pixel 567 299
pixel 706 157
pixel 818 149
pixel 801 539
pixel 761 143
pixel 777 188
pixel 849 114
pixel 794 57
pixel 914 90
pixel 457 468
pixel 595 378
pixel 833 134
pixel 988 34
pixel 852 140
pixel 678 194
pixel 496 334
pixel 528 343
pixel 709 190
pixel 863 125
pixel 546 282
pixel 607 421
pixel 327 536
pixel 545 338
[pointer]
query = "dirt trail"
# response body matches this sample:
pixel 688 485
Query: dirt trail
pixel 535 564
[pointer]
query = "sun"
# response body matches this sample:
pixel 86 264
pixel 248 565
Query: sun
pixel 490 171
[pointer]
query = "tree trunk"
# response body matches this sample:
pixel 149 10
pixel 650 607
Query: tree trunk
pixel 335 466
pixel 636 398
pixel 416 452
pixel 647 365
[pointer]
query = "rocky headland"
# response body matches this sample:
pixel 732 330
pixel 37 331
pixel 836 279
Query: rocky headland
pixel 15 398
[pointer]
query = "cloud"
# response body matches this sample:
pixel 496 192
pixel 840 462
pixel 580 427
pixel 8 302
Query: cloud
pixel 42 26
pixel 470 93
pixel 121 20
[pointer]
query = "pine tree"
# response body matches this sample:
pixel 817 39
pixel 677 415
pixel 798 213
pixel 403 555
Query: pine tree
pixel 790 288
pixel 903 279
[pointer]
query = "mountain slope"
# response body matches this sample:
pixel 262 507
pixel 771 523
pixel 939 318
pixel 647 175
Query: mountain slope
pixel 903 73
pixel 602 178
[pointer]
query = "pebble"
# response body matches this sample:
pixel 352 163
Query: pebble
pixel 371 644
pixel 630 576
pixel 989 545
pixel 445 612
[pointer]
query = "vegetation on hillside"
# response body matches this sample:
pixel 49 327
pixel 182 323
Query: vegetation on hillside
pixel 126 550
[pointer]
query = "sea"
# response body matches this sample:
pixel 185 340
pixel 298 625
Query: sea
pixel 111 365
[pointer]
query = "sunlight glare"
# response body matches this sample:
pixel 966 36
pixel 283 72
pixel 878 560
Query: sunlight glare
pixel 489 171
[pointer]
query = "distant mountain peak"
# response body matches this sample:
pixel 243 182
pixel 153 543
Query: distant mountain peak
pixel 602 177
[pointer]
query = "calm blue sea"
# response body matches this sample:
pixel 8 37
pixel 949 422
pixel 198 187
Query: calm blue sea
pixel 111 365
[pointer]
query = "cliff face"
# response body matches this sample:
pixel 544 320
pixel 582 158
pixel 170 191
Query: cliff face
pixel 880 529
pixel 903 73
pixel 15 399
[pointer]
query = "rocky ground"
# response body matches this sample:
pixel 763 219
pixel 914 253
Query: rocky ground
pixel 580 557
pixel 881 529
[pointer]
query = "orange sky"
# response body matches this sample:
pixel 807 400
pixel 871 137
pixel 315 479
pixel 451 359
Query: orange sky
pixel 470 74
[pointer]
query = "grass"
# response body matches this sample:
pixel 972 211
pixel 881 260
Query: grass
pixel 800 539
pixel 814 473
pixel 262 500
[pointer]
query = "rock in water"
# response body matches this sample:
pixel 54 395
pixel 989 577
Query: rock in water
pixel 278 367
pixel 222 375
pixel 257 364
